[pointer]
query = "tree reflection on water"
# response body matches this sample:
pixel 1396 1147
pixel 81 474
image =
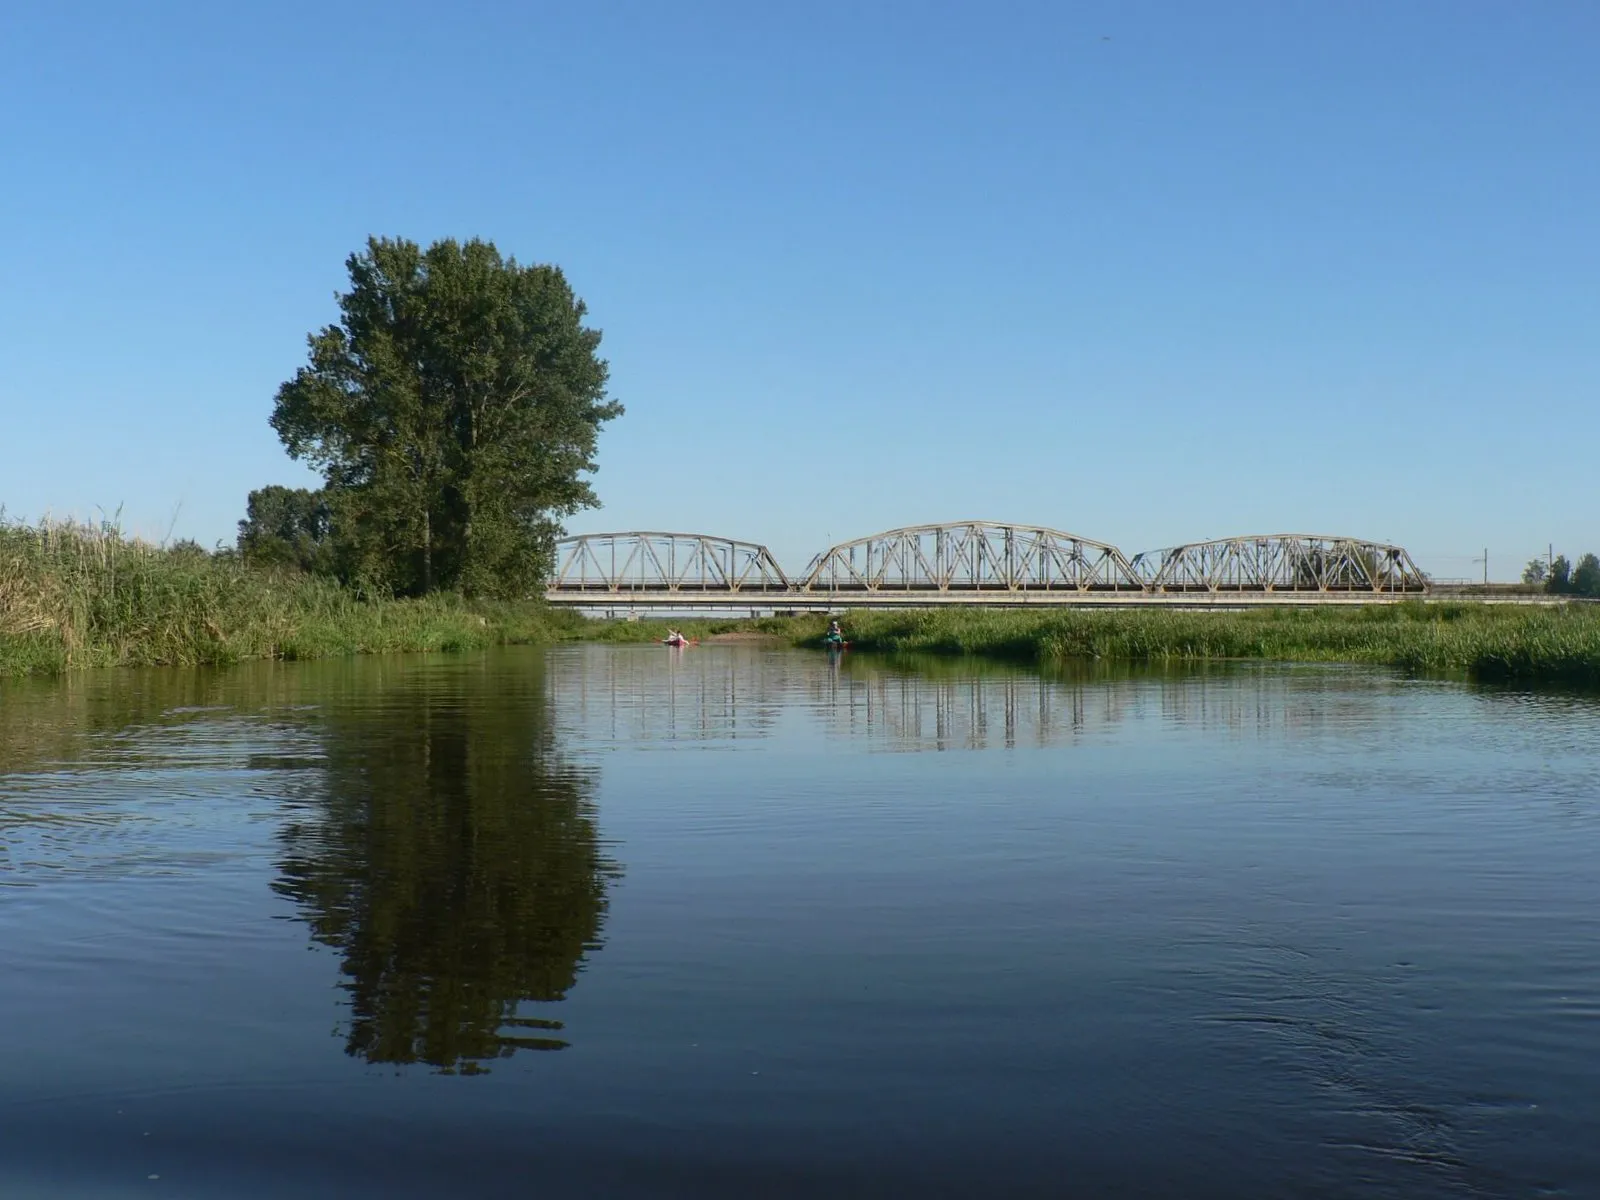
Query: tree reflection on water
pixel 454 860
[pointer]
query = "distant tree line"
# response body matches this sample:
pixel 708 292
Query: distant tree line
pixel 453 413
pixel 1560 577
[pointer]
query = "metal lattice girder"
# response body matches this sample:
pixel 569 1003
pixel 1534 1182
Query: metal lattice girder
pixel 619 563
pixel 1281 562
pixel 971 556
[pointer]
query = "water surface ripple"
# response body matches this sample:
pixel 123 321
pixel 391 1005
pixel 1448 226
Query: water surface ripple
pixel 617 921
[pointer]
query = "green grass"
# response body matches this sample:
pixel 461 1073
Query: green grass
pixel 1489 642
pixel 77 596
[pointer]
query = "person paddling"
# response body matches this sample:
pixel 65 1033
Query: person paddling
pixel 835 634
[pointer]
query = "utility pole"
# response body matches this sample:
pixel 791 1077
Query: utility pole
pixel 1486 566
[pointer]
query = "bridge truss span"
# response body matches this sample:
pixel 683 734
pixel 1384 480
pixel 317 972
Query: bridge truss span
pixel 977 563
pixel 980 558
pixel 673 564
pixel 1293 563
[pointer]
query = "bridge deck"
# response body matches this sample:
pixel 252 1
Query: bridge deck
pixel 834 601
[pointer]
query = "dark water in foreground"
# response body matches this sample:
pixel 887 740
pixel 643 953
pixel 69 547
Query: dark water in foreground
pixel 736 921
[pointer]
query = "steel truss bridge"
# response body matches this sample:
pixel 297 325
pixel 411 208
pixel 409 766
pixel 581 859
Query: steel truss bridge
pixel 977 563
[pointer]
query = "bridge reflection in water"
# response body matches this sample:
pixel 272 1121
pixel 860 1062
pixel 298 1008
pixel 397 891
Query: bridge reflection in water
pixel 936 708
pixel 730 694
pixel 978 562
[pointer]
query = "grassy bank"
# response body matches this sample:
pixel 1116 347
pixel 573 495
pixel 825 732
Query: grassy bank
pixel 1484 641
pixel 74 596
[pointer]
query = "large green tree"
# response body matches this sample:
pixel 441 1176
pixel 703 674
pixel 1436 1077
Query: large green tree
pixel 454 411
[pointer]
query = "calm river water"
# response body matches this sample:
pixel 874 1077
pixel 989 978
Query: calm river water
pixel 744 921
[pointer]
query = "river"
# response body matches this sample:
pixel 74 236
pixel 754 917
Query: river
pixel 751 921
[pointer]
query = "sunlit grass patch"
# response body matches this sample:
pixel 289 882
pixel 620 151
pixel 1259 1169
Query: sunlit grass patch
pixel 1558 642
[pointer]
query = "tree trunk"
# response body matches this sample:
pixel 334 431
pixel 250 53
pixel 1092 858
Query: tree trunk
pixel 427 551
pixel 469 461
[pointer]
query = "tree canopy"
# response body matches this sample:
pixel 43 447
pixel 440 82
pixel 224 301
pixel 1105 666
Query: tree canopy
pixel 1586 576
pixel 454 412
pixel 286 527
pixel 1563 578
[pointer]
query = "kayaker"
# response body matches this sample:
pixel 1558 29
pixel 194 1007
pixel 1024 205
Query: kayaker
pixel 674 638
pixel 835 634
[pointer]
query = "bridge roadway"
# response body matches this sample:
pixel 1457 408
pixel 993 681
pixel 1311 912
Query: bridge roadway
pixel 801 602
pixel 981 563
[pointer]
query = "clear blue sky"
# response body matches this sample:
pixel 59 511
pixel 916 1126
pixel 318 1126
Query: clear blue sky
pixel 1149 272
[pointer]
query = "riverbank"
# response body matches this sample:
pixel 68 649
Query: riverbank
pixel 1552 644
pixel 74 596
